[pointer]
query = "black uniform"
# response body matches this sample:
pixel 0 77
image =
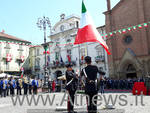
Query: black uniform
pixel 4 87
pixel 49 86
pixel 71 88
pixel 12 86
pixel 91 86
pixel 30 88
pixel 0 87
pixel 18 88
pixel 102 83
pixel 25 86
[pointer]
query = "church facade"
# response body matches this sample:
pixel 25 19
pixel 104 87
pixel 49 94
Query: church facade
pixel 131 48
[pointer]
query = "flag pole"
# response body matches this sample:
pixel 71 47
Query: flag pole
pixel 79 58
pixel 87 49
pixel 79 66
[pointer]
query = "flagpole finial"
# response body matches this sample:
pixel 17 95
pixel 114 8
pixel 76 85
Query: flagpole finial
pixel 83 7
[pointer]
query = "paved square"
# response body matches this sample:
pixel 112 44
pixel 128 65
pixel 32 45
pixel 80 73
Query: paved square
pixel 124 101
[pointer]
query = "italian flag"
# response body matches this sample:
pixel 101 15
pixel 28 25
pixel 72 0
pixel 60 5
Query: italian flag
pixel 87 32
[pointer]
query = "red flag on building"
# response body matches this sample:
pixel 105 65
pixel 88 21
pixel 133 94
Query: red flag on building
pixel 69 58
pixel 8 57
pixel 22 70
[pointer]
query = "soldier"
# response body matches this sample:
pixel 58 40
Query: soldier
pixel 30 86
pixel 19 86
pixel 71 87
pixel 91 89
pixel 12 86
pixel 35 85
pixel 8 87
pixel 102 83
pixel 49 86
pixel 4 83
pixel 0 87
pixel 25 85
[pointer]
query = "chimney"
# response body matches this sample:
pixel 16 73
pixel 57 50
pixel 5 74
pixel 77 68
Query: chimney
pixel 108 5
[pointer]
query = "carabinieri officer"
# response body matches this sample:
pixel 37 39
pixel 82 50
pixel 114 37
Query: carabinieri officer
pixel 71 87
pixel 91 84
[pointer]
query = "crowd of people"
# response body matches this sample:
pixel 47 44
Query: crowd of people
pixel 24 86
pixel 10 86
pixel 115 84
pixel 30 86
pixel 121 83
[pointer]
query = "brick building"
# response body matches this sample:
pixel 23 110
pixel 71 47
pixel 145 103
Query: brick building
pixel 130 50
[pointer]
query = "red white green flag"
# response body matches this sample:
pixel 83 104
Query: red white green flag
pixel 87 32
pixel 22 70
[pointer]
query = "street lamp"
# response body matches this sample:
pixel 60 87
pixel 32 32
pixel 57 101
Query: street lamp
pixel 43 23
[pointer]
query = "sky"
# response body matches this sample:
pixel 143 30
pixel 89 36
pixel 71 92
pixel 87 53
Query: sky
pixel 19 17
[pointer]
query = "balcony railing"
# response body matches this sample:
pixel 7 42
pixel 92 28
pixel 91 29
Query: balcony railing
pixel 20 49
pixel 7 47
pixel 61 64
pixel 20 58
pixel 99 59
pixel 8 57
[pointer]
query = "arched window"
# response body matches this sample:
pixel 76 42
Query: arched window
pixel 37 62
pixel 131 68
pixel 77 24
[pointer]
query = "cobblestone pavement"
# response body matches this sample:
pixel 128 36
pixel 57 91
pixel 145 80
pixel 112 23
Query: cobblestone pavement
pixel 124 103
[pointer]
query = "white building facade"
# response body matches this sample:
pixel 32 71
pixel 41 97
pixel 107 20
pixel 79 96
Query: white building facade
pixel 63 51
pixel 13 54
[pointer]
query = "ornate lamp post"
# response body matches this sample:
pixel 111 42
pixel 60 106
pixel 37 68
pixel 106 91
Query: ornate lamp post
pixel 43 23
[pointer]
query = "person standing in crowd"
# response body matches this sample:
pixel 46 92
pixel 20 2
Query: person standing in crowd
pixel 18 86
pixel 90 73
pixel 30 86
pixel 0 87
pixel 49 86
pixel 71 87
pixel 4 83
pixel 53 85
pixel 35 85
pixel 1 84
pixel 25 85
pixel 8 87
pixel 41 83
pixel 12 86
pixel 102 83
